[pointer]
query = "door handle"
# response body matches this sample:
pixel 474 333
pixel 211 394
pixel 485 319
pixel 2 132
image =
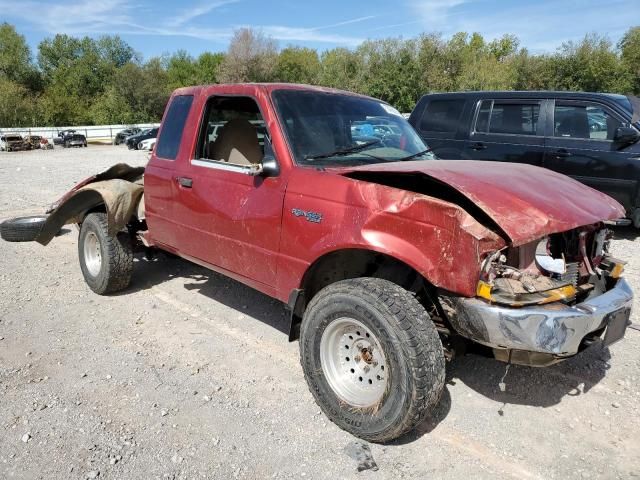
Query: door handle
pixel 562 153
pixel 185 182
pixel 478 146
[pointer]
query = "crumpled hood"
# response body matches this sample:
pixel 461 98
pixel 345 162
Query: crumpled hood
pixel 527 202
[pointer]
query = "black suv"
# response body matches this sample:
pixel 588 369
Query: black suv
pixel 592 137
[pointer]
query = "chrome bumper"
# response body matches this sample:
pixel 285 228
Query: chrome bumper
pixel 555 329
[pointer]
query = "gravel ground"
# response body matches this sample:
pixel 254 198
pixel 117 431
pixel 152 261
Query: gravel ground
pixel 188 374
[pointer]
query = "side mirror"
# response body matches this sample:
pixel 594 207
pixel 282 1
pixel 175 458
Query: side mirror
pixel 626 136
pixel 269 163
pixel 269 167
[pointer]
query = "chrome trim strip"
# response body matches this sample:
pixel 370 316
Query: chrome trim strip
pixel 227 167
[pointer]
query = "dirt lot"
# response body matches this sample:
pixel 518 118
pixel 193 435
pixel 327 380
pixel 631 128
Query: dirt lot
pixel 189 375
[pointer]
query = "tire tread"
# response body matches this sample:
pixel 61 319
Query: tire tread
pixel 424 357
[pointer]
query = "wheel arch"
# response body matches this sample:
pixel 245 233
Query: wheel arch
pixel 118 198
pixel 354 262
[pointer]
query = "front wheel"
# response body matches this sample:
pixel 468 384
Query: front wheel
pixel 106 261
pixel 372 358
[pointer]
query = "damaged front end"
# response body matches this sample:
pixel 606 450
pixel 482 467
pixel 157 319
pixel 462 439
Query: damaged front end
pixel 546 300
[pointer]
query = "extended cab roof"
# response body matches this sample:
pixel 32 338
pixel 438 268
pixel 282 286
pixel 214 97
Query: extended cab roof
pixel 262 87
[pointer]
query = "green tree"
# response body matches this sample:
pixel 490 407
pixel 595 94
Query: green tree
pixel 181 70
pixel 15 58
pixel 297 65
pixel 143 89
pixel 115 51
pixel 433 65
pixel 390 71
pixel 251 57
pixel 630 51
pixel 339 68
pixel 112 108
pixel 16 105
pixel 208 68
pixel 591 65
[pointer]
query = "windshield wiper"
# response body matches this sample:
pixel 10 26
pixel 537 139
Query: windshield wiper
pixel 343 151
pixel 413 155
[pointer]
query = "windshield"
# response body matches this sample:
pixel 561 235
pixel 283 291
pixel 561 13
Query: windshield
pixel 333 129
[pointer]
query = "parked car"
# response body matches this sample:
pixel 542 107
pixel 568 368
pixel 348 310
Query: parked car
pixel 592 137
pixel 133 141
pixel 32 141
pixel 122 135
pixel 389 261
pixel 147 144
pixel 75 140
pixel 12 142
pixel 62 136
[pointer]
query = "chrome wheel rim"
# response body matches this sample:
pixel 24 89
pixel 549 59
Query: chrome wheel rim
pixel 353 362
pixel 92 254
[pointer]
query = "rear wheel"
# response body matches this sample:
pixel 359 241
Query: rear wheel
pixel 106 261
pixel 372 358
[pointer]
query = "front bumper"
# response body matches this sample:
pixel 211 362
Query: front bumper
pixel 554 329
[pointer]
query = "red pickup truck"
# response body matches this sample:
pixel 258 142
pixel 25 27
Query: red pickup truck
pixel 388 258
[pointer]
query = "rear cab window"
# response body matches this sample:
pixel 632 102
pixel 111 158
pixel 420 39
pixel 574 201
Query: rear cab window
pixel 506 117
pixel 172 127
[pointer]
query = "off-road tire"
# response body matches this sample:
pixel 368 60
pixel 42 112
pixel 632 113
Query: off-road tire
pixel 22 229
pixel 116 254
pixel 411 345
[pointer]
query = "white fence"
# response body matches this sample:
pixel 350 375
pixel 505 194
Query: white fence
pixel 94 133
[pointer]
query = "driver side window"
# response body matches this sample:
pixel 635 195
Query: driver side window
pixel 585 121
pixel 233 132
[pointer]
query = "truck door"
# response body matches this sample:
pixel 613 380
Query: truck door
pixel 160 185
pixel 231 217
pixel 507 131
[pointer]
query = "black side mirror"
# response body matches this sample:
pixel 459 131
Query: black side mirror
pixel 626 136
pixel 270 166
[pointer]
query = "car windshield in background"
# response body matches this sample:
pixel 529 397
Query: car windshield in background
pixel 333 129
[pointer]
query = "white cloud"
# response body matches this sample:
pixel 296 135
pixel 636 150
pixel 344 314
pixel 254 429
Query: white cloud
pixel 434 11
pixel 280 32
pixel 81 17
pixel 197 11
pixel 346 22
pixel 541 26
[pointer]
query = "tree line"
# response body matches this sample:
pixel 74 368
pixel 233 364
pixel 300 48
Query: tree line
pixel 73 81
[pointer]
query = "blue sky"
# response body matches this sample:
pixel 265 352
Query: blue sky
pixel 154 27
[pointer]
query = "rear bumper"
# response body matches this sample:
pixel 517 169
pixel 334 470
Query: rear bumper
pixel 555 329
